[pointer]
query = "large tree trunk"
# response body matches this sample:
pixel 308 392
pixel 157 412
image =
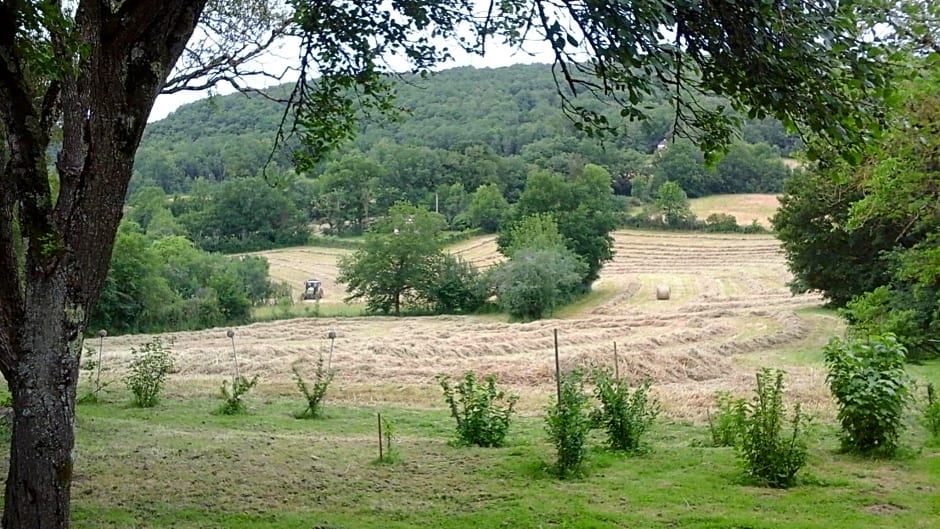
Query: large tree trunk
pixel 55 251
pixel 38 484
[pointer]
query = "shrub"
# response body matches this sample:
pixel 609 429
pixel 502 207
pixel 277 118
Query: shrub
pixel 535 281
pixel 722 223
pixel 768 455
pixel 482 411
pixel 568 423
pixel 232 403
pixel 455 286
pixel 932 411
pixel 625 415
pixel 322 376
pixel 725 424
pixel 868 381
pixel 389 453
pixel 149 368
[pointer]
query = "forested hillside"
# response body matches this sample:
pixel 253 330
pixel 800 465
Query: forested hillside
pixel 467 125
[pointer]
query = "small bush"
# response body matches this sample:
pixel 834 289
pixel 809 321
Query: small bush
pixel 868 381
pixel 721 223
pixel 725 424
pixel 625 415
pixel 232 400
pixel 932 411
pixel 769 456
pixel 322 376
pixel 568 423
pixel 149 368
pixel 482 411
pixel 389 453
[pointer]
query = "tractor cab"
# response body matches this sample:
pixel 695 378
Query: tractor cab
pixel 313 289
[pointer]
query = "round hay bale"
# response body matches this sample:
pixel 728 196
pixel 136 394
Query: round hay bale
pixel 662 292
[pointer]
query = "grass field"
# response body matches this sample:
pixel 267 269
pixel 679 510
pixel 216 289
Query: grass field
pixel 745 208
pixel 181 466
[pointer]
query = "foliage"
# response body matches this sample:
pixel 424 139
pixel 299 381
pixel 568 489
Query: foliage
pixel 533 282
pixel 396 260
pixel 168 284
pixel 672 201
pixel 150 366
pixel 568 424
pixel 721 223
pixel 455 286
pixel 768 455
pixel 583 209
pixel 867 379
pixel 482 411
pixel 820 253
pixel 322 376
pixel 625 415
pixel 932 411
pixel 232 400
pixel 869 233
pixel 536 231
pixel 242 215
pixel 726 424
pixel 488 208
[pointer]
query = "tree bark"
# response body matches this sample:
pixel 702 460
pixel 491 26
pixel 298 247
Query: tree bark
pixel 38 485
pixel 51 283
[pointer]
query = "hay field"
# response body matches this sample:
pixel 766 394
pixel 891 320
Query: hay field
pixel 729 312
pixel 295 265
pixel 745 207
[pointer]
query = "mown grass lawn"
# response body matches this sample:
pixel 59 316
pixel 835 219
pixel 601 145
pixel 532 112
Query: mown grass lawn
pixel 181 466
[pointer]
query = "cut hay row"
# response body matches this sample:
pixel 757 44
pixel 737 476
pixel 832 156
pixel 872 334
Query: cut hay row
pixel 728 300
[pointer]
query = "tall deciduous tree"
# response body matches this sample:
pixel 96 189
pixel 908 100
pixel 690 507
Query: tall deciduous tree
pixel 396 261
pixel 94 68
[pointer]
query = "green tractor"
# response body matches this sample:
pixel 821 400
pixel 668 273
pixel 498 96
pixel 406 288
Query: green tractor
pixel 313 289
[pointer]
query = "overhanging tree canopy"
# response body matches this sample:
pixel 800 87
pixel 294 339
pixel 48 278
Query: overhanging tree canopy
pixel 89 71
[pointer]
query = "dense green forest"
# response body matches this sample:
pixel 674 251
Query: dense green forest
pixel 484 148
pixel 466 125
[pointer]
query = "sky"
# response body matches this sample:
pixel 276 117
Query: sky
pixel 497 56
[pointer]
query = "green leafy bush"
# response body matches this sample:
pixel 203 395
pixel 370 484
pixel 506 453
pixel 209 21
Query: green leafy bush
pixel 868 381
pixel 232 400
pixel 769 456
pixel 568 424
pixel 535 281
pixel 149 368
pixel 725 424
pixel 932 411
pixel 322 376
pixel 625 415
pixel 482 411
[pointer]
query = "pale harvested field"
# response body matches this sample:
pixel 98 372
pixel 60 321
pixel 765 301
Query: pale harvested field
pixel 729 312
pixel 746 208
pixel 295 265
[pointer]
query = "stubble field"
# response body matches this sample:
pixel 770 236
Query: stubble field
pixel 729 311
